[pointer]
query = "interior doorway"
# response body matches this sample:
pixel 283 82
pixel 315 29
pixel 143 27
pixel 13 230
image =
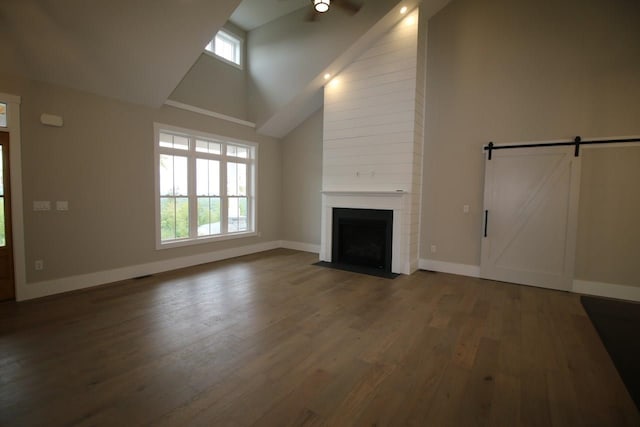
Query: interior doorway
pixel 7 285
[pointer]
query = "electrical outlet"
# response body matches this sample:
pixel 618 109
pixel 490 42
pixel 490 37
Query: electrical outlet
pixel 465 209
pixel 39 265
pixel 433 248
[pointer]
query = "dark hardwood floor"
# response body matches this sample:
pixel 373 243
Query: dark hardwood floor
pixel 271 340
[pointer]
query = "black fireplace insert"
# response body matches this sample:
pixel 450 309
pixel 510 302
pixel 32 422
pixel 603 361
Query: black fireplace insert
pixel 362 238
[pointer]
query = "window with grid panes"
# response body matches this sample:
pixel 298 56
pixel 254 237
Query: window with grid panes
pixel 205 187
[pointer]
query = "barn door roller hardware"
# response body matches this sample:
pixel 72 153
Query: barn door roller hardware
pixel 577 142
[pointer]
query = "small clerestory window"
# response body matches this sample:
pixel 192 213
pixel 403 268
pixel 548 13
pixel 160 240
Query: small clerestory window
pixel 226 46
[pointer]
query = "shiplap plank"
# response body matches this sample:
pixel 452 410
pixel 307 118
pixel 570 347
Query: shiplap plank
pixel 392 117
pixel 356 82
pixel 385 103
pixel 371 70
pixel 384 89
pixel 347 171
pixel 366 142
pixel 385 150
pixel 400 58
pixel 390 45
pixel 331 116
pixel 375 160
pixel 392 128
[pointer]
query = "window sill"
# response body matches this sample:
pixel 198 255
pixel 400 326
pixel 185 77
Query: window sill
pixel 207 239
pixel 225 60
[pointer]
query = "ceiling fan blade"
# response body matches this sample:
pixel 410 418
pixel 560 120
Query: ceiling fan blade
pixel 311 16
pixel 349 6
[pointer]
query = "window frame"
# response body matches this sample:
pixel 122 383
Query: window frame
pixel 232 36
pixel 6 115
pixel 252 189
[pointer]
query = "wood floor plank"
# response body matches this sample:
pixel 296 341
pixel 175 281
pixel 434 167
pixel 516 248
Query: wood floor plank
pixel 271 340
pixel 478 396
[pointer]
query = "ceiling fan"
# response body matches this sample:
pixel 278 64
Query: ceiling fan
pixel 321 6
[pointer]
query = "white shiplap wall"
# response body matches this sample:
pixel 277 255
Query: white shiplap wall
pixel 370 117
pixel 373 124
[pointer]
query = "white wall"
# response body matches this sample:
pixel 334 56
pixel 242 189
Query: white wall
pixel 369 117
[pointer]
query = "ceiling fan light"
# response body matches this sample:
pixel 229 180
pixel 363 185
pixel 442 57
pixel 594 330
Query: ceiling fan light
pixel 321 5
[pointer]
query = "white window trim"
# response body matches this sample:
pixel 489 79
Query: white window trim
pixel 252 182
pixel 223 59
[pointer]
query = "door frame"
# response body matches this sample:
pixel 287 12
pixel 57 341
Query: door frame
pixel 17 218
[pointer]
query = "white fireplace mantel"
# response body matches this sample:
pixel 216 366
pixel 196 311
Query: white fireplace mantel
pixel 397 201
pixel 397 193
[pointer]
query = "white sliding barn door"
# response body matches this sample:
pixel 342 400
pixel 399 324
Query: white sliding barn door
pixel 531 207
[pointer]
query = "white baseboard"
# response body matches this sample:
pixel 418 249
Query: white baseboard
pixel 73 283
pixel 299 246
pixel 449 267
pixel 609 290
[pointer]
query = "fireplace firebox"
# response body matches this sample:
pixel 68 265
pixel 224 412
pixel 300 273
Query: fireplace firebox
pixel 362 238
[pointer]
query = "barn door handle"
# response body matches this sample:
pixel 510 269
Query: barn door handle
pixel 486 220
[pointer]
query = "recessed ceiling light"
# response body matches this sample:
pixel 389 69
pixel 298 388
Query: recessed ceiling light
pixel 403 10
pixel 327 76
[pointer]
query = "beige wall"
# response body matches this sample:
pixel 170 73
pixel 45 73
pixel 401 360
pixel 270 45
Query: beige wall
pixel 608 247
pixel 215 85
pixel 102 162
pixel 302 181
pixel 497 70
pixel 516 70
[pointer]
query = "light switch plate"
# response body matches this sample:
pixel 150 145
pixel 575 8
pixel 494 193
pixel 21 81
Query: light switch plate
pixel 62 205
pixel 41 205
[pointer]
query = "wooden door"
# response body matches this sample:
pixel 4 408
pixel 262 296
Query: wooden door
pixel 7 288
pixel 531 206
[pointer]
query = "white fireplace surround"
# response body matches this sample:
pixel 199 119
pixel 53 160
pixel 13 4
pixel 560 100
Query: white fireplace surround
pixel 397 201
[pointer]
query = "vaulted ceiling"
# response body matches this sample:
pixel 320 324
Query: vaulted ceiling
pixel 136 51
pixel 252 14
pixel 139 51
pixel 288 57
